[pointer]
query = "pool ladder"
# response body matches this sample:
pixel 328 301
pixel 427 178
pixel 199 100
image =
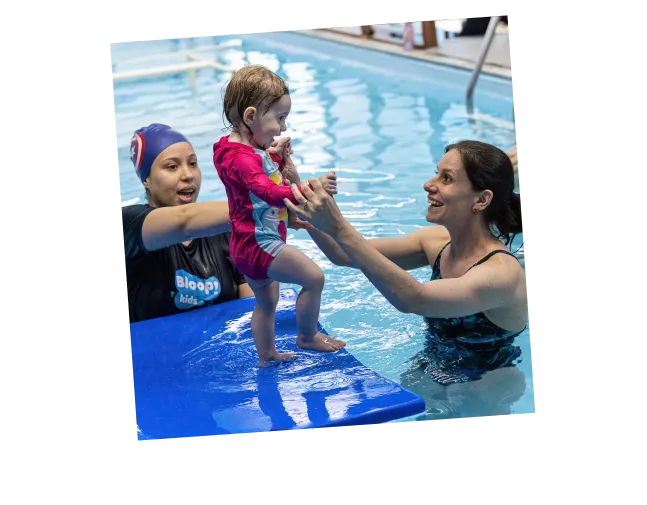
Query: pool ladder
pixel 487 42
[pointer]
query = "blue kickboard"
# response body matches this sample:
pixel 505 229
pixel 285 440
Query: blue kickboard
pixel 195 374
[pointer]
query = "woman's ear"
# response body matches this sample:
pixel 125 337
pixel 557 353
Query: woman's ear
pixel 484 200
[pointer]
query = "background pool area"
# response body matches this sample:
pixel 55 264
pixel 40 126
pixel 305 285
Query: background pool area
pixel 382 121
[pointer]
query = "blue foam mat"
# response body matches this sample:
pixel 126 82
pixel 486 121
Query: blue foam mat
pixel 195 374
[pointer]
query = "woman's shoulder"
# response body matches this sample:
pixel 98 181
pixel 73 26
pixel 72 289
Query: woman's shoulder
pixel 494 254
pixel 432 239
pixel 502 265
pixel 506 276
pixel 502 257
pixel 133 216
pixel 135 213
pixel 433 232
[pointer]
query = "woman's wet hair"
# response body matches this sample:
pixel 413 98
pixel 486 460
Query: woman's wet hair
pixel 251 86
pixel 488 167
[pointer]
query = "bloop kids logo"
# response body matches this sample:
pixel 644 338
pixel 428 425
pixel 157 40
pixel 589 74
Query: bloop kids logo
pixel 192 291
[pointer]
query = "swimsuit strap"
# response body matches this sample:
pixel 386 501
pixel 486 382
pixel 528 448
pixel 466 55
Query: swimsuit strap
pixel 488 256
pixel 436 267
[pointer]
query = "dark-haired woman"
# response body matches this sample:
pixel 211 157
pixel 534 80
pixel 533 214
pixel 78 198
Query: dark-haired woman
pixel 475 302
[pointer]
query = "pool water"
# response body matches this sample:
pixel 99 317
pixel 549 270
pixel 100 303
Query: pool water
pixel 382 121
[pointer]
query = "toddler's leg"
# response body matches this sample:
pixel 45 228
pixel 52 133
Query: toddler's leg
pixel 294 267
pixel 267 296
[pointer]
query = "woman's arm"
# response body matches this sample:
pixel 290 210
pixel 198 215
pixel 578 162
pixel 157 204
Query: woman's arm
pixel 478 290
pixel 406 252
pixel 489 286
pixel 166 226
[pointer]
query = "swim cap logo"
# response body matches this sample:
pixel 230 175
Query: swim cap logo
pixel 137 145
pixel 192 291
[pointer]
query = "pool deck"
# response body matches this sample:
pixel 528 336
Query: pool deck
pixel 461 52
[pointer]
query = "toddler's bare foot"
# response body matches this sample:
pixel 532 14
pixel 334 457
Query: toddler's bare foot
pixel 277 359
pixel 320 342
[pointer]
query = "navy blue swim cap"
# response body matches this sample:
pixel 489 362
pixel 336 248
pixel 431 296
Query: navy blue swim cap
pixel 148 142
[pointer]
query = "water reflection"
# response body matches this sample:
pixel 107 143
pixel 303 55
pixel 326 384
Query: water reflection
pixel 308 392
pixel 493 394
pixel 465 382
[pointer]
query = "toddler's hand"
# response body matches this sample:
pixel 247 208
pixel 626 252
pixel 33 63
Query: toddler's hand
pixel 329 182
pixel 290 173
pixel 278 147
pixel 287 151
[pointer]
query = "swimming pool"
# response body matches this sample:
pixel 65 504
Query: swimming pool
pixel 382 121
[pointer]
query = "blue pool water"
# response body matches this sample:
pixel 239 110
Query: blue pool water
pixel 382 122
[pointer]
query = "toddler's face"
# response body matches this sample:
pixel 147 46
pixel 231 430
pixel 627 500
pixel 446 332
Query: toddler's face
pixel 268 126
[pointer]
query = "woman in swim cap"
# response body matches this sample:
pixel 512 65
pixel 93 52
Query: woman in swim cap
pixel 177 250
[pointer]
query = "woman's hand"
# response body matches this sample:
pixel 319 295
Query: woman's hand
pixel 297 224
pixel 294 222
pixel 316 207
pixel 512 154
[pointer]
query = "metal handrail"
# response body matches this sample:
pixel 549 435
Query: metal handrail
pixel 487 42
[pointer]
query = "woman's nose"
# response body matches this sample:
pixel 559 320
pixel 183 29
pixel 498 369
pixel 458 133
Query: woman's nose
pixel 187 173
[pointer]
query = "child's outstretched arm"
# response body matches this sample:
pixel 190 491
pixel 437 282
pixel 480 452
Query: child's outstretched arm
pixel 289 171
pixel 280 152
pixel 250 173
